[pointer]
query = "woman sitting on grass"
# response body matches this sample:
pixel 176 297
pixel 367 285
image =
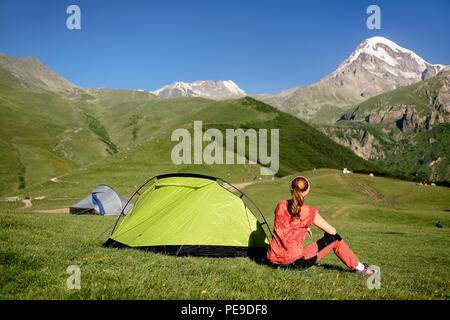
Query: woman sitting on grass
pixel 292 221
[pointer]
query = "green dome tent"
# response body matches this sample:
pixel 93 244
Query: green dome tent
pixel 190 214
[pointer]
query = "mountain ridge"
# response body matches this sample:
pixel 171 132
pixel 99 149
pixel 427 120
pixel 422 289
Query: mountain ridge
pixel 220 90
pixel 31 74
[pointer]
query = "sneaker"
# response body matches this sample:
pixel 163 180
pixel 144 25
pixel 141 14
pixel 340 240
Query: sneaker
pixel 366 271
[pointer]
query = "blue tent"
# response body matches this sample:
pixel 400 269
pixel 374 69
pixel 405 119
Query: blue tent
pixel 103 201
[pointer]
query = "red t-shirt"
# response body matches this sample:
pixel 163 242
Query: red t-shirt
pixel 286 244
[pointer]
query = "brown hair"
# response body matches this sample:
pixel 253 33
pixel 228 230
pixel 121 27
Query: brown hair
pixel 298 186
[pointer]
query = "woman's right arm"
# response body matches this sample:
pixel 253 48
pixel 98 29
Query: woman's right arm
pixel 322 224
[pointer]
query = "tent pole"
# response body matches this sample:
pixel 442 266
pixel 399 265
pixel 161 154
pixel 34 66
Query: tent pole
pixel 129 200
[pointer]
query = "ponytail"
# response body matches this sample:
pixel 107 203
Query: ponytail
pixel 296 204
pixel 299 189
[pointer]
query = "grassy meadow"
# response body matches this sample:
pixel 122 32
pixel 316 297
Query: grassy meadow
pixel 389 223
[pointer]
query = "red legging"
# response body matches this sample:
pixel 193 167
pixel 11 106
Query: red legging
pixel 316 251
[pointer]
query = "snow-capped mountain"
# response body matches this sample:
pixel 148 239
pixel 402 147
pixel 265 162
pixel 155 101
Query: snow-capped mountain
pixel 208 89
pixel 378 65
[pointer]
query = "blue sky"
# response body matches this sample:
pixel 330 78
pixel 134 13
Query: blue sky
pixel 264 46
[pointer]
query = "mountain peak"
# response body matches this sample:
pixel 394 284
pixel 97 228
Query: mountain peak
pixel 220 90
pixel 379 64
pixel 30 73
pixel 383 49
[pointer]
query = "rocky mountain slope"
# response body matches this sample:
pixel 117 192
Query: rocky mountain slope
pixel 415 108
pixel 406 130
pixel 319 103
pixel 208 89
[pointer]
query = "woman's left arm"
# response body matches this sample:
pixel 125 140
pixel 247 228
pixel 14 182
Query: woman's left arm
pixel 322 224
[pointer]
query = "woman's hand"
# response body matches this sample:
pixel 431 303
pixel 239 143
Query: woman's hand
pixel 309 233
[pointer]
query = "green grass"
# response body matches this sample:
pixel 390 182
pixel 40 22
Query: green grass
pixel 43 135
pixel 398 235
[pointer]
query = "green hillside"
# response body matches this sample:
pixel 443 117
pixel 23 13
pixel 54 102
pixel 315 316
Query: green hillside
pixel 301 146
pixel 41 136
pixel 54 135
pixel 421 95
